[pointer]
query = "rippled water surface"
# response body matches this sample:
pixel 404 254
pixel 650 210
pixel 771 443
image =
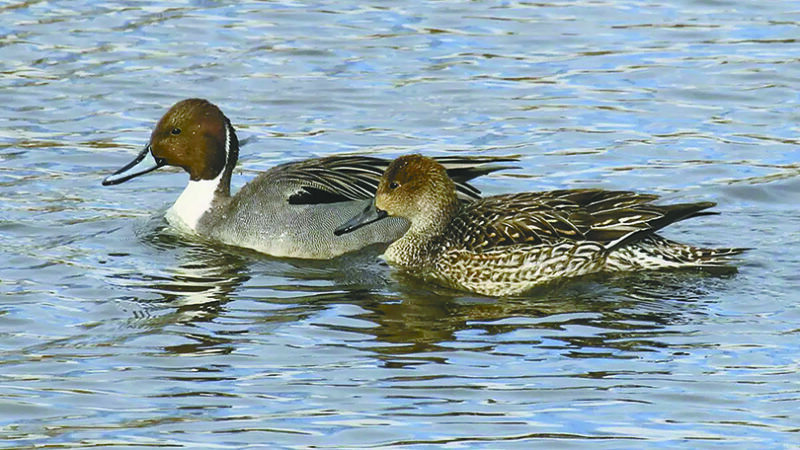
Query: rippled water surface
pixel 116 331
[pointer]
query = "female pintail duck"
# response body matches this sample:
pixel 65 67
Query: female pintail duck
pixel 290 210
pixel 506 244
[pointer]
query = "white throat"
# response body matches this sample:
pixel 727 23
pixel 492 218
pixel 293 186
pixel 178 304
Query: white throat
pixel 197 198
pixel 194 201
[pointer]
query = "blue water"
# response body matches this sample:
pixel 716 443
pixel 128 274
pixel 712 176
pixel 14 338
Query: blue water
pixel 118 332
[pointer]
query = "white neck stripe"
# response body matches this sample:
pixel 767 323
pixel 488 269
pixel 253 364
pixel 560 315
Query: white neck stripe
pixel 227 147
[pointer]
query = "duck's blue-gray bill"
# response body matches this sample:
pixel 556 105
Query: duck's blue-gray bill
pixel 144 162
pixel 369 215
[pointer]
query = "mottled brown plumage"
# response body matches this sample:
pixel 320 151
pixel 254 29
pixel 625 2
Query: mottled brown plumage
pixel 546 218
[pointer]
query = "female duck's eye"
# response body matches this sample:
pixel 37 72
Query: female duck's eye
pixel 176 131
pixel 394 185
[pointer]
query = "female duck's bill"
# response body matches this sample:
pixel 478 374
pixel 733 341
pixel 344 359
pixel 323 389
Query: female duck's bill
pixel 143 163
pixel 370 214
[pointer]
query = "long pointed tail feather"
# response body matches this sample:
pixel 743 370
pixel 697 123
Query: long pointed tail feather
pixel 667 214
pixel 656 252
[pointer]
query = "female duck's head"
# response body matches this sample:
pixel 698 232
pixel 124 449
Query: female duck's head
pixel 413 187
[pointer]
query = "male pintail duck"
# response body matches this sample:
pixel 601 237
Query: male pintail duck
pixel 506 244
pixel 290 210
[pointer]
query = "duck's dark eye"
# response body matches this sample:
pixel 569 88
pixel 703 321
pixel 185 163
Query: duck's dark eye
pixel 394 185
pixel 176 131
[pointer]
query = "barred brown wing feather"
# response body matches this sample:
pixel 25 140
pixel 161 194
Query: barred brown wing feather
pixel 609 218
pixel 513 219
pixel 597 199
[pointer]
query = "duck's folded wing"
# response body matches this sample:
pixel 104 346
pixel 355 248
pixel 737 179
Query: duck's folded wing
pixel 342 178
pixel 609 218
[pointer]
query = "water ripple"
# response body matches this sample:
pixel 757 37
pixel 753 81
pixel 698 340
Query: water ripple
pixel 116 331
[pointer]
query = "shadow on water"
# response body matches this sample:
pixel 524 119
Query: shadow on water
pixel 613 316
